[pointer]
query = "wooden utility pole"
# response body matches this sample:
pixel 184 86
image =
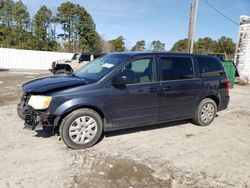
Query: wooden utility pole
pixel 190 31
pixel 193 25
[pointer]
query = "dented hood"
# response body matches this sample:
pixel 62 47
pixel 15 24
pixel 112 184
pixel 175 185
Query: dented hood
pixel 45 84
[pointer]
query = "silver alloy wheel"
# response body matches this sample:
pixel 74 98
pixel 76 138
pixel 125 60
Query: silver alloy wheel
pixel 207 112
pixel 83 130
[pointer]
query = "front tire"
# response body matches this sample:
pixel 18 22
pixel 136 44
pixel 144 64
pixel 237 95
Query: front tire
pixel 205 112
pixel 81 128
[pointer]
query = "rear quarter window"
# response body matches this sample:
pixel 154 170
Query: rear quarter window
pixel 210 66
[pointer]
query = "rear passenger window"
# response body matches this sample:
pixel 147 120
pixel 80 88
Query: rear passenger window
pixel 176 68
pixel 209 66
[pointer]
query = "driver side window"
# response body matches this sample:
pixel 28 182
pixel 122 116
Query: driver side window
pixel 139 71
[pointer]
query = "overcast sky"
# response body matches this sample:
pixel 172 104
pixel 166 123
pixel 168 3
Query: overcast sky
pixel 164 20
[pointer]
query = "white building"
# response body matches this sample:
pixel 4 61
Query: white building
pixel 29 59
pixel 242 56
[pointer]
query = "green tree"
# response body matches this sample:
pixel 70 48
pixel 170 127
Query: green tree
pixel 180 46
pixel 14 20
pixel 89 38
pixel 78 27
pixel 139 46
pixel 6 7
pixel 118 44
pixel 6 37
pixel 42 21
pixel 42 30
pixel 205 45
pixel 67 16
pixel 21 24
pixel 90 41
pixel 225 45
pixel 157 46
pixel 21 15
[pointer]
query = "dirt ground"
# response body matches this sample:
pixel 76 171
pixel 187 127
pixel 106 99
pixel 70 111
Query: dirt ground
pixel 176 154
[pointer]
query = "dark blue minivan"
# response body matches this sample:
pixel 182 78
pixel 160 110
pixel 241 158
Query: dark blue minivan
pixel 123 90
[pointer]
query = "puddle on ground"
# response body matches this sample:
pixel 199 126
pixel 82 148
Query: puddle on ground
pixel 119 173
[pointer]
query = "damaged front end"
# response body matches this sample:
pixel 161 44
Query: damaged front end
pixel 34 119
pixel 35 106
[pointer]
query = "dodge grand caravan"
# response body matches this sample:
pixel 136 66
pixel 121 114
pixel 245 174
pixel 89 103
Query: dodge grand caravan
pixel 123 90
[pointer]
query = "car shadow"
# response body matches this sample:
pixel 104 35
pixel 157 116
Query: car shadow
pixel 48 132
pixel 145 128
pixel 142 128
pixel 44 134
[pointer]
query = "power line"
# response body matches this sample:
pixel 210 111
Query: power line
pixel 212 7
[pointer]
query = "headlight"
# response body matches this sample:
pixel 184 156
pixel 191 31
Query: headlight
pixel 39 102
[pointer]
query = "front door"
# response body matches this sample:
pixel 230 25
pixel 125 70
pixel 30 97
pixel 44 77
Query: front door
pixel 136 103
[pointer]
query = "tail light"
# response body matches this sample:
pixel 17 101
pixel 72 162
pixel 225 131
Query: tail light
pixel 228 86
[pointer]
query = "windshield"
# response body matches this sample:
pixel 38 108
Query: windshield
pixel 98 68
pixel 75 56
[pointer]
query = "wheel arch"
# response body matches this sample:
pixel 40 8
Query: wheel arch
pixel 215 99
pixel 70 110
pixel 214 96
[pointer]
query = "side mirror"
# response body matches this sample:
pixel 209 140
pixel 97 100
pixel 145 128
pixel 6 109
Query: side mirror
pixel 119 80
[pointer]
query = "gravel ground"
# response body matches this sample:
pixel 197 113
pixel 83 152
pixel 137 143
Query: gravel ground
pixel 177 154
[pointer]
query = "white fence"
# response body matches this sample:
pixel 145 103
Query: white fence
pixel 29 59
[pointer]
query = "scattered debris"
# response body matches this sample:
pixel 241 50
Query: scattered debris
pixel 101 173
pixel 189 135
pixel 101 162
pixel 135 169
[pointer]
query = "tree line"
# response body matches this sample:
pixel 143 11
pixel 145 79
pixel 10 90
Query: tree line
pixel 72 29
pixel 204 45
pixel 207 45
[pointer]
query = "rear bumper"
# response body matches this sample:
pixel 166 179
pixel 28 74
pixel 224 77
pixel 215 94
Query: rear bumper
pixel 224 103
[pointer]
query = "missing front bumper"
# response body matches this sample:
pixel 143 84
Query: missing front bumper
pixel 34 119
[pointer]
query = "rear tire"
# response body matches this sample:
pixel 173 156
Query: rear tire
pixel 205 112
pixel 81 128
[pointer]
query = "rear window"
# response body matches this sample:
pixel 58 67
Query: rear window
pixel 176 68
pixel 209 66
